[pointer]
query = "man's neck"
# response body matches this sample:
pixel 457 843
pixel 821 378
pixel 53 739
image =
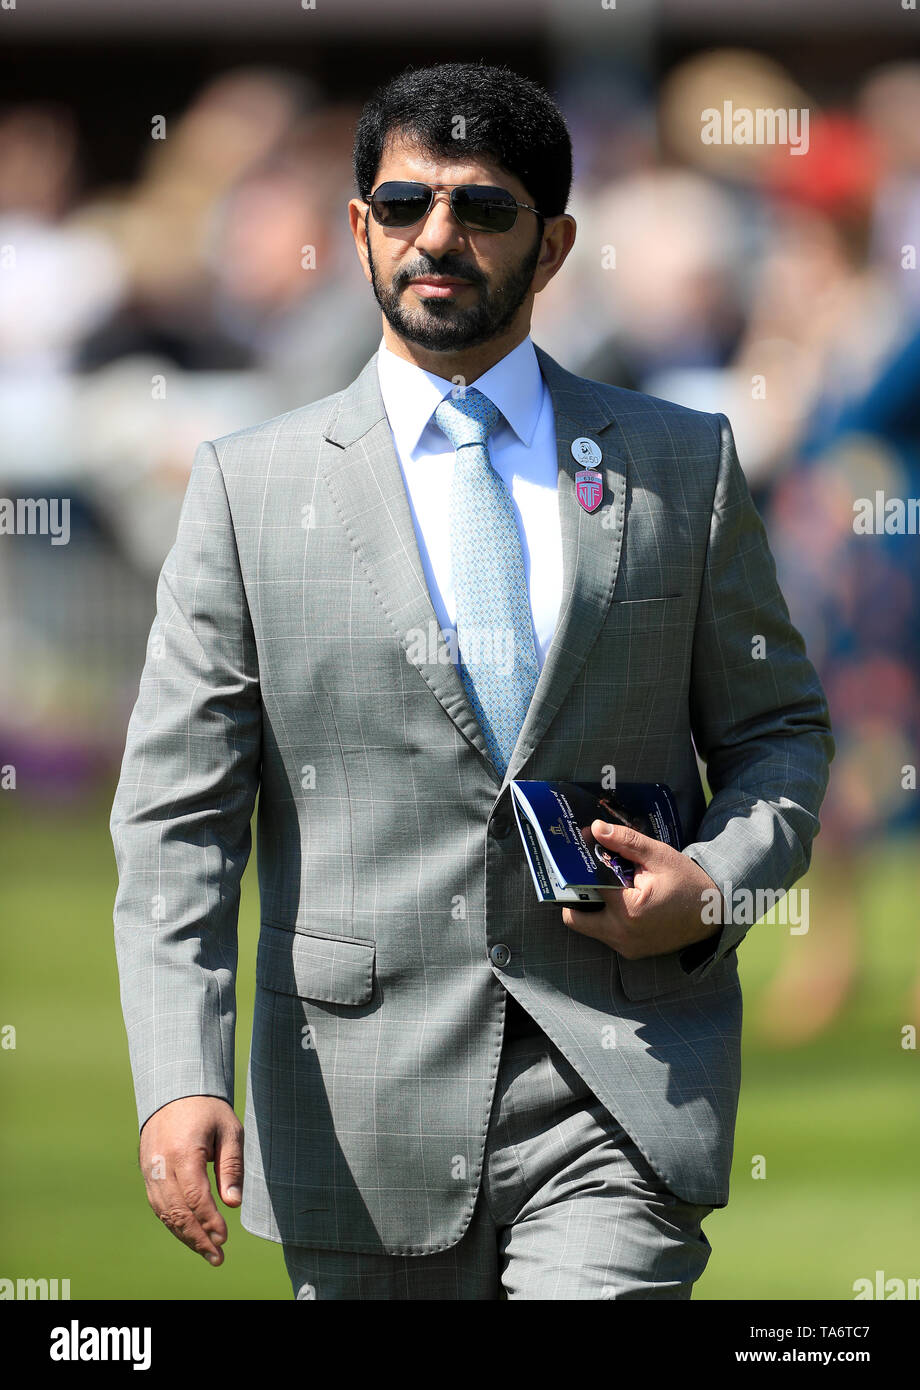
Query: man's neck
pixel 468 365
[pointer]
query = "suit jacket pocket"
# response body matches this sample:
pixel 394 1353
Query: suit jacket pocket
pixel 632 602
pixel 333 969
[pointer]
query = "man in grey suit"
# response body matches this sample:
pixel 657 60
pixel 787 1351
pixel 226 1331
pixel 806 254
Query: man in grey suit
pixel 466 567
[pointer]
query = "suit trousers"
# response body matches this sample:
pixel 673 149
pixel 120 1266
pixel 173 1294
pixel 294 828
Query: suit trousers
pixel 568 1207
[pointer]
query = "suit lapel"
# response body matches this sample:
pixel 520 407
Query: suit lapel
pixel 363 474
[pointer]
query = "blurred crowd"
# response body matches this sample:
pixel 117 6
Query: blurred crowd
pixel 220 286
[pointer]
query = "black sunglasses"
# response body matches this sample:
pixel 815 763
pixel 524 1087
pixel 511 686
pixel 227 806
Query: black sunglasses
pixel 477 206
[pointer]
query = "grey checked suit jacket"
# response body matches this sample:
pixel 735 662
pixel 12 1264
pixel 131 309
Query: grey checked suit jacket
pixel 294 653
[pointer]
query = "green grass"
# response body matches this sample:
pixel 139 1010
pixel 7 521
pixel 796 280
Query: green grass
pixel 836 1121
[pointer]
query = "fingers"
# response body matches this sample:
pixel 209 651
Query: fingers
pixel 622 934
pixel 228 1164
pixel 183 1202
pixel 176 1145
pixel 628 842
pixel 587 923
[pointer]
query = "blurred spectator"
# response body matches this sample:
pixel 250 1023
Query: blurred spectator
pixel 58 279
pixel 161 224
pixel 821 319
pixel 889 102
pixel 676 291
pixel 286 271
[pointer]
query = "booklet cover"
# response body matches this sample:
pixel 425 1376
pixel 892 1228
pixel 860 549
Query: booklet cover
pixel 564 867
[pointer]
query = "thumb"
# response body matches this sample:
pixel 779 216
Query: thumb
pixel 228 1165
pixel 641 849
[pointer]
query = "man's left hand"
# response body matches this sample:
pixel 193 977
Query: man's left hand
pixel 665 909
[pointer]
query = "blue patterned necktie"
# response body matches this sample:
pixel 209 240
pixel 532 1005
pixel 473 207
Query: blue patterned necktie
pixel 497 656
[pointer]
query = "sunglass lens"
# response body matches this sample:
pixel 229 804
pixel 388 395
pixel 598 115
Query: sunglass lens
pixel 400 204
pixel 485 209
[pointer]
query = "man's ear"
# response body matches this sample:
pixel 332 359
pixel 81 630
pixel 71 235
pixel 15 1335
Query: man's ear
pixel 358 212
pixel 558 240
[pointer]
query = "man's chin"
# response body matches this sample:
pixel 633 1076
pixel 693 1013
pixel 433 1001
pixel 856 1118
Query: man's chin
pixel 438 331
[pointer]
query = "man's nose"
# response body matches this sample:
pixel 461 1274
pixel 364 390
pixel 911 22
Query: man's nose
pixel 440 232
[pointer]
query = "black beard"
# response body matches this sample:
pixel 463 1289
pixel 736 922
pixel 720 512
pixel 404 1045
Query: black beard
pixel 439 324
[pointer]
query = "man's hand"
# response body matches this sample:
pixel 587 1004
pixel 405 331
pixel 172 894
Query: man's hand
pixel 177 1143
pixel 663 912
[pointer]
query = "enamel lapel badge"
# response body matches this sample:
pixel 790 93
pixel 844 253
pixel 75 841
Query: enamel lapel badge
pixel 589 483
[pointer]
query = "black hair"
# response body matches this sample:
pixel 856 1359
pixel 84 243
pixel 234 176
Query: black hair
pixel 508 118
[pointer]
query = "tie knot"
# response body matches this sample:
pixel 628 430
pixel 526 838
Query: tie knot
pixel 467 419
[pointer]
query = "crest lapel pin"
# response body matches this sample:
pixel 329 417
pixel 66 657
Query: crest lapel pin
pixel 589 483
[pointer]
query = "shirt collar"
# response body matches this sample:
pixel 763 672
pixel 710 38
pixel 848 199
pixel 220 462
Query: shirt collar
pixel 411 395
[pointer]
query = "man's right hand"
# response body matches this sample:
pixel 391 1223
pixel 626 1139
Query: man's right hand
pixel 177 1143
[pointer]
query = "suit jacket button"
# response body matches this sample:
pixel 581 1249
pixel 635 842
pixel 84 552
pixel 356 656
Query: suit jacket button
pixel 500 954
pixel 501 827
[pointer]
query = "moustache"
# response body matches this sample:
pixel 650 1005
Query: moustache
pixel 461 272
